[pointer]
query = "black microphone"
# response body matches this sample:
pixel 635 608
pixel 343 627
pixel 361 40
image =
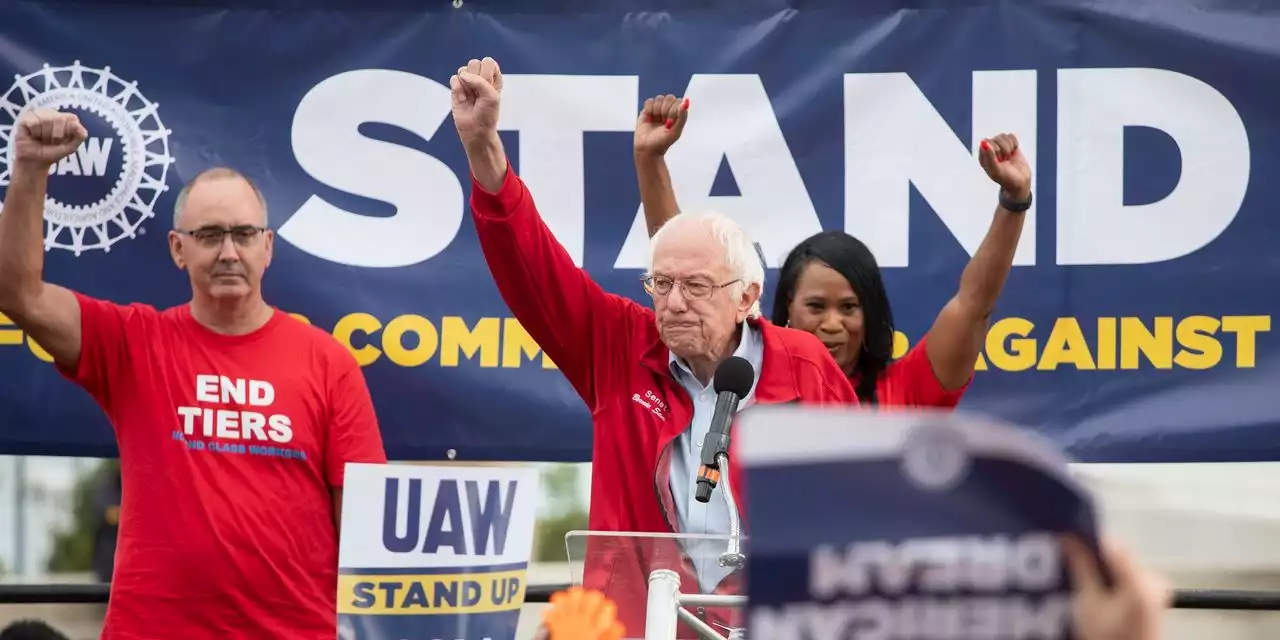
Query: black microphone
pixel 733 381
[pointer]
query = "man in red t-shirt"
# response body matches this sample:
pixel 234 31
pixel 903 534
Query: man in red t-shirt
pixel 234 420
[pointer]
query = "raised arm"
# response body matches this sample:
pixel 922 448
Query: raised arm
pixel 657 128
pixel 958 333
pixel 48 313
pixel 570 316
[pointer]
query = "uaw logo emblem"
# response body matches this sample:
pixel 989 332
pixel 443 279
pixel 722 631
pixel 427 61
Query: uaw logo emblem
pixel 104 191
pixel 935 456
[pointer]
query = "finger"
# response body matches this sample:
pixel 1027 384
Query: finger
pixel 681 117
pixel 60 130
pixel 477 87
pixel 646 112
pixel 1007 146
pixel 1124 570
pixel 667 109
pixel 986 155
pixel 1011 143
pixel 1085 576
pixel 473 66
pixel 81 133
pixel 456 90
pixel 489 70
pixel 1159 592
pixel 671 111
pixel 1001 145
pixel 497 77
pixel 46 129
pixel 676 114
pixel 30 124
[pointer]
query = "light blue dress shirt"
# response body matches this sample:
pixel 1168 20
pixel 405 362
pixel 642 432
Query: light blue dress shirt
pixel 686 456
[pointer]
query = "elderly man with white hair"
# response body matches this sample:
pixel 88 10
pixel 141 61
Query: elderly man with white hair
pixel 645 373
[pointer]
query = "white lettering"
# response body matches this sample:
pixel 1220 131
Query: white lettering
pixel 206 388
pixel 329 146
pixel 1094 107
pixel 228 421
pixel 188 418
pixel 251 424
pixel 90 159
pixel 281 428
pixel 937 565
pixel 894 138
pixel 1013 617
pixel 233 390
pixel 225 390
pixel 261 394
pixel 228 424
pixel 93 155
pixel 207 422
pixel 732 120
pixel 551 112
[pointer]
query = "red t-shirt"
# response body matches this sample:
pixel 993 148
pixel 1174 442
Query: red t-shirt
pixel 229 446
pixel 910 382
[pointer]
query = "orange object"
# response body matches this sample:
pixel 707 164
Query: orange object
pixel 582 614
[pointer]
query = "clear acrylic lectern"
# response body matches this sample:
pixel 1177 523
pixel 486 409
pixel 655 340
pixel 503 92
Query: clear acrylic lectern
pixel 666 586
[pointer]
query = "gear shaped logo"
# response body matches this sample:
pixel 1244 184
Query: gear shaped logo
pixel 126 199
pixel 935 457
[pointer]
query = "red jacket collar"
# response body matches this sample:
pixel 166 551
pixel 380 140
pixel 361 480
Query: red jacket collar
pixel 777 377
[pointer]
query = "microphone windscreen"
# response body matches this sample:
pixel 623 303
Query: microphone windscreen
pixel 734 375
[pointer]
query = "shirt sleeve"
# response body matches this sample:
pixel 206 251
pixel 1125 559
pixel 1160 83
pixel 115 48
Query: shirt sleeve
pixel 353 433
pixel 103 368
pixel 916 383
pixel 571 317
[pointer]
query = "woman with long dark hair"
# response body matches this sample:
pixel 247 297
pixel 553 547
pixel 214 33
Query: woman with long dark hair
pixel 830 284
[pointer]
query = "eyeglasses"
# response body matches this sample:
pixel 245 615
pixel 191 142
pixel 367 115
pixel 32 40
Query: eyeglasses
pixel 693 288
pixel 243 235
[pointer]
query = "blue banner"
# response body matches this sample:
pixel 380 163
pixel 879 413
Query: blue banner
pixel 947 527
pixel 1136 325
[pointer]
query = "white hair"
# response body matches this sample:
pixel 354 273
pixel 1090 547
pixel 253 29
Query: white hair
pixel 740 252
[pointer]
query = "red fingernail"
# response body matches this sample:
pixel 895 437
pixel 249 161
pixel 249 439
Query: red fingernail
pixel 985 146
pixel 648 118
pixel 686 103
pixel 670 123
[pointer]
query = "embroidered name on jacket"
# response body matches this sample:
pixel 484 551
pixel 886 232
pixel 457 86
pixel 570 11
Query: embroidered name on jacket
pixel 653 403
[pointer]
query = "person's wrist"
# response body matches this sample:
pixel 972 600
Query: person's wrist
pixel 648 154
pixel 482 143
pixel 1019 193
pixel 27 169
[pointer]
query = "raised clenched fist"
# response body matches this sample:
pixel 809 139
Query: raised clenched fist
pixel 660 123
pixel 1005 165
pixel 477 93
pixel 45 136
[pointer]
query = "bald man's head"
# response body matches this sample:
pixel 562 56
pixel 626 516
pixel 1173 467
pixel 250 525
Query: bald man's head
pixel 217 174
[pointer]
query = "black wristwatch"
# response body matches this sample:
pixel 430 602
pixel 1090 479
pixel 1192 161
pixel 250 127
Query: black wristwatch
pixel 1012 205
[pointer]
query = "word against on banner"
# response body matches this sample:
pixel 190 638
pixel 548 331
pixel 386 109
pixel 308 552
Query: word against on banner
pixel 894 139
pixel 1012 344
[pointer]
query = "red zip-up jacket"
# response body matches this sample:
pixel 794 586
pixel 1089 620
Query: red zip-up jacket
pixel 609 349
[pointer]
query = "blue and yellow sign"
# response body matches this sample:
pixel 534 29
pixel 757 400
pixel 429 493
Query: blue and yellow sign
pixel 434 551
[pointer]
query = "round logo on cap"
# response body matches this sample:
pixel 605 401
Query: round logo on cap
pixel 935 457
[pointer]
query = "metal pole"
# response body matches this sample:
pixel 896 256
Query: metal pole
pixel 704 630
pixel 660 616
pixel 20 516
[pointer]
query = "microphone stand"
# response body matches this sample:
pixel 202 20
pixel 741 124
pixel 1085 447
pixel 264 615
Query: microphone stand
pixel 733 556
